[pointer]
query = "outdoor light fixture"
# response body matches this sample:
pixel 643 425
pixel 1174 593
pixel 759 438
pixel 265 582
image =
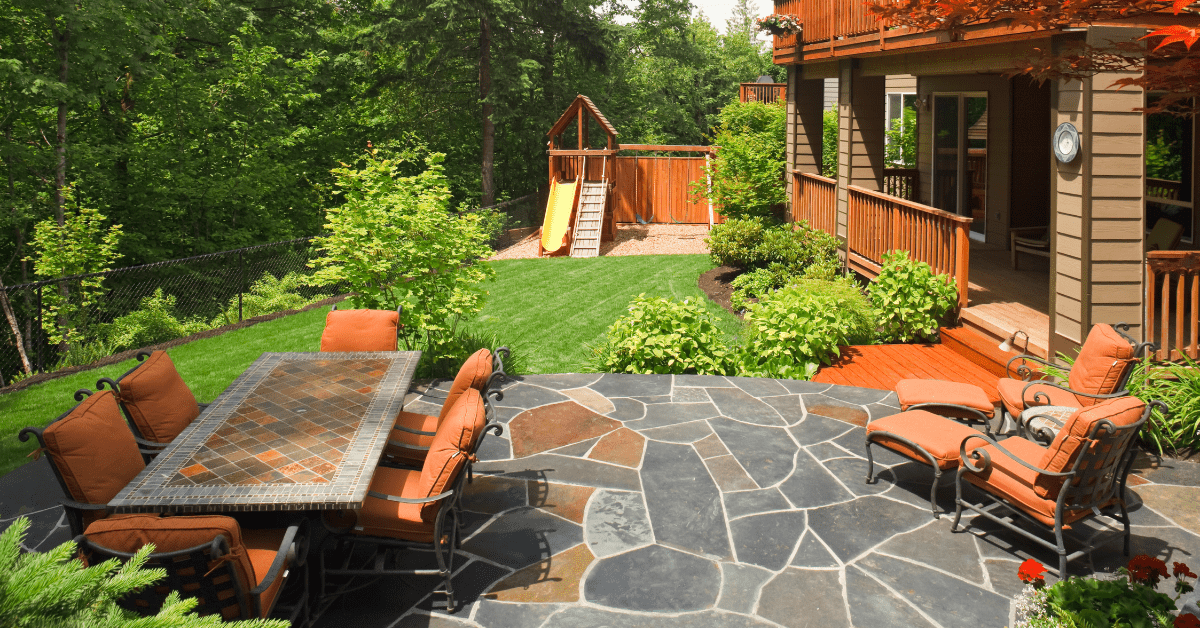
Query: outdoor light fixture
pixel 1007 345
pixel 1066 142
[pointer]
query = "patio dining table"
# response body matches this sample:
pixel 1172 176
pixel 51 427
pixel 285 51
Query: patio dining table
pixel 295 431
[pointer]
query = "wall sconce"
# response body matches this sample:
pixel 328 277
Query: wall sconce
pixel 1066 142
pixel 1007 345
pixel 922 102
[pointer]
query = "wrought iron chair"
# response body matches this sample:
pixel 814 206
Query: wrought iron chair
pixel 234 573
pixel 1080 474
pixel 361 330
pixel 157 403
pixel 410 509
pixel 413 432
pixel 92 453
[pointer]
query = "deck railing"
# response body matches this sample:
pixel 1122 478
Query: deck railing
pixel 880 223
pixel 825 20
pixel 762 92
pixel 815 201
pixel 901 182
pixel 1173 303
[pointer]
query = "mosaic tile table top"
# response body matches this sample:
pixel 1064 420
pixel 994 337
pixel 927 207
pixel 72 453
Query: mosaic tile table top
pixel 296 431
pixel 659 501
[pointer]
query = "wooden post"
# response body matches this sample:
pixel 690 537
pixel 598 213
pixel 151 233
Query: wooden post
pixel 708 177
pixel 962 262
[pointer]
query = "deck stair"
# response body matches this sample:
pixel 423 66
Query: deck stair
pixel 979 348
pixel 586 239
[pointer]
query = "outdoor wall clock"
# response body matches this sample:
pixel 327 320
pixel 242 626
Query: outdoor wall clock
pixel 1066 142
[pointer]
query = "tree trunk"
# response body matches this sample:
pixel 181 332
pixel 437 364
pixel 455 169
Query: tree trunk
pixel 16 329
pixel 60 150
pixel 489 129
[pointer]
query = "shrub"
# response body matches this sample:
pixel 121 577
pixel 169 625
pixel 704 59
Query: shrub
pixel 829 143
pixel 797 328
pixel 910 300
pixel 661 335
pixel 736 241
pixel 152 323
pixel 747 172
pixel 757 283
pixel 1178 386
pixel 796 246
pixel 459 346
pixel 267 296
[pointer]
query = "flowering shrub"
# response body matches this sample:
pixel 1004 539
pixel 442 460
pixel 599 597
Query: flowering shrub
pixel 780 23
pixel 1129 600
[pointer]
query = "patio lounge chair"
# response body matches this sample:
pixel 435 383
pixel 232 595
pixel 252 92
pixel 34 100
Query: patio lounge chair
pixel 415 509
pixel 156 401
pixel 1082 472
pixel 360 330
pixel 234 573
pixel 413 432
pixel 93 455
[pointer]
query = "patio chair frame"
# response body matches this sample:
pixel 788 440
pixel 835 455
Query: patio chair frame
pixel 149 448
pixel 74 509
pixel 197 561
pixel 1073 496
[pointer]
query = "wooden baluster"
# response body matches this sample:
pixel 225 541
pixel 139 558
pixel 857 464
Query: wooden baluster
pixel 1164 307
pixel 1151 273
pixel 1195 345
pixel 1180 310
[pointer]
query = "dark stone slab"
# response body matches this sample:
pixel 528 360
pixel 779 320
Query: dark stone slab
pixel 655 399
pixel 512 615
pixel 590 617
pixel 801 387
pixel 708 381
pixel 759 387
pixel 562 381
pixel 469 585
pixel 935 545
pixel 504 414
pixel 653 578
pixel 788 407
pixel 853 474
pixel 1003 576
pixel 877 411
pixel 811 485
pixel 855 439
pixel 767 540
pixel 627 409
pixel 949 601
pixel 377 604
pixel 494 448
pixel 1168 544
pixel 828 451
pixel 618 385
pixel 815 429
pixel 425 619
pixel 765 452
pixel 577 450
pixel 492 495
pixel 801 598
pixel 736 404
pixel 1168 471
pixel 526 396
pixel 565 469
pixel 871 604
pixel 744 503
pixel 689 395
pixel 424 405
pixel 689 432
pixel 685 505
pixel 740 585
pixel 523 537
pixel 812 553
pixel 853 394
pixel 881 455
pixel 31 490
pixel 851 528
pixel 616 522
pixel 890 400
pixel 662 414
pixel 835 409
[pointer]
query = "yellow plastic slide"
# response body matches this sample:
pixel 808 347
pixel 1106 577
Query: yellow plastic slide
pixel 558 215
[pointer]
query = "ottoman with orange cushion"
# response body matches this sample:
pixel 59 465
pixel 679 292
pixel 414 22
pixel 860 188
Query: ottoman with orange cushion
pixel 963 401
pixel 922 436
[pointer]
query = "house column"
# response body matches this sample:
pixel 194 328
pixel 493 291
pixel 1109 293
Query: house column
pixel 861 112
pixel 804 130
pixel 1098 213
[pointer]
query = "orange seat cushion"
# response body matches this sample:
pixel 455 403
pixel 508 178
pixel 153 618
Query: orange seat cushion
pixel 252 550
pixel 1013 482
pixel 94 450
pixel 360 330
pixel 1102 362
pixel 1060 455
pixel 158 401
pixel 917 391
pixel 382 517
pixel 939 436
pixel 474 373
pixel 412 421
pixel 1011 391
pixel 455 439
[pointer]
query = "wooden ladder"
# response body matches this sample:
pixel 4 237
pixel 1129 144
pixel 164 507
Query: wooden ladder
pixel 586 240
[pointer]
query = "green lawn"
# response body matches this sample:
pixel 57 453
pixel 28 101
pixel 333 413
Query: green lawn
pixel 545 309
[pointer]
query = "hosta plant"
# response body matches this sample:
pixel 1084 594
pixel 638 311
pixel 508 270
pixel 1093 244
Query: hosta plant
pixel 910 299
pixel 661 335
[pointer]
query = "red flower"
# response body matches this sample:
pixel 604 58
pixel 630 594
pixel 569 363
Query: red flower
pixel 1147 569
pixel 1181 571
pixel 1031 571
pixel 1187 620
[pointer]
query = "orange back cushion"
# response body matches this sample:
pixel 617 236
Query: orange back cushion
pixel 453 442
pixel 1062 452
pixel 93 449
pixel 1102 362
pixel 473 374
pixel 360 330
pixel 158 401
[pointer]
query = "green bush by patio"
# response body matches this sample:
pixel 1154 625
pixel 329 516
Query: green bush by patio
pixel 661 335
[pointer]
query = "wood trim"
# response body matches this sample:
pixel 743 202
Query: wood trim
pixel 668 147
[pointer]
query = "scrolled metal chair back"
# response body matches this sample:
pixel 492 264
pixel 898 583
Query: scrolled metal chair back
pixel 1103 463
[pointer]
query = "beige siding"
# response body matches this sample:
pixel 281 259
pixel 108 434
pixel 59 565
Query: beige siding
pixel 1068 200
pixel 901 83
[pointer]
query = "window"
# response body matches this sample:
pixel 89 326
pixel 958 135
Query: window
pixel 1169 172
pixel 900 139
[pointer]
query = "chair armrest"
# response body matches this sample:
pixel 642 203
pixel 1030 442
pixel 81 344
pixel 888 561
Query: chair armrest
pixel 412 431
pixel 1042 399
pixel 149 443
pixel 1024 372
pixel 409 500
pixel 978 416
pixel 396 443
pixel 1023 426
pixel 980 455
pixel 202 406
pixel 284 554
pixel 70 503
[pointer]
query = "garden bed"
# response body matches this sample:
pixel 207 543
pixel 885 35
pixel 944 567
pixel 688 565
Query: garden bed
pixel 716 284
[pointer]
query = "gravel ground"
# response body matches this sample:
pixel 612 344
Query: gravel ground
pixel 631 239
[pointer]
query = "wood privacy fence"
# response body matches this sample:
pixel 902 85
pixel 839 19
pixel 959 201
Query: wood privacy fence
pixel 1173 303
pixel 658 190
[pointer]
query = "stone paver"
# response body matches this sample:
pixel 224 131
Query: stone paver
pixel 679 501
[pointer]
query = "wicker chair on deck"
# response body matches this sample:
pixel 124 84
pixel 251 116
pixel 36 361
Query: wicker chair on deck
pixel 93 455
pixel 156 401
pixel 1082 471
pixel 360 330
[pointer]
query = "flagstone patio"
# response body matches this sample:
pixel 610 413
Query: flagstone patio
pixel 644 500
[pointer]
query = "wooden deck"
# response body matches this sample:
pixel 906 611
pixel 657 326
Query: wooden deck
pixel 881 366
pixel 1004 300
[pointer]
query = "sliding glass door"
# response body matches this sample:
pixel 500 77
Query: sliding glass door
pixel 960 149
